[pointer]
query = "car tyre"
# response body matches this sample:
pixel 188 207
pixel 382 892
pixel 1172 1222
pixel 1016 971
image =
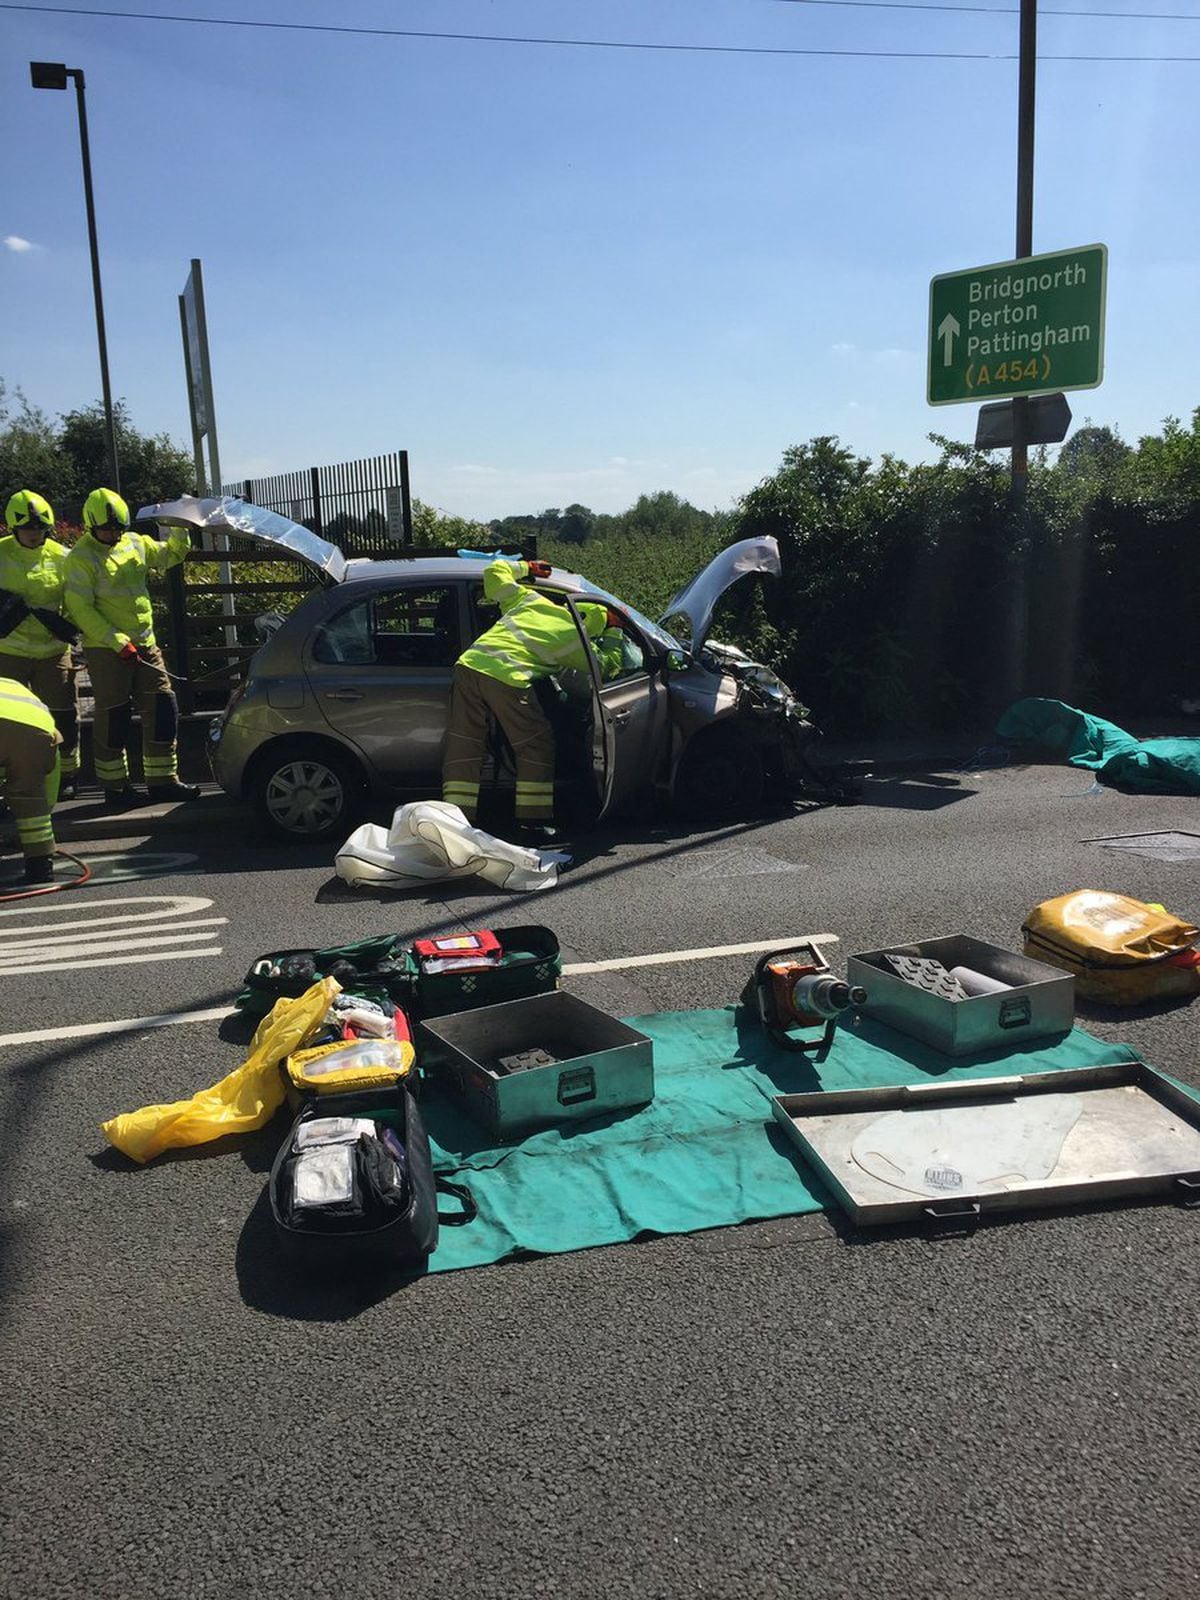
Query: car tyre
pixel 307 793
pixel 720 777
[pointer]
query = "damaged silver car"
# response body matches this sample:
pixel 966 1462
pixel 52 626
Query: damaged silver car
pixel 345 703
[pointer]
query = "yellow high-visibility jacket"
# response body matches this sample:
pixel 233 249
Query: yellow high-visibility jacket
pixel 534 636
pixel 107 593
pixel 21 705
pixel 37 576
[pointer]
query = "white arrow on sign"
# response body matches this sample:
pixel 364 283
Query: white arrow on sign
pixel 947 328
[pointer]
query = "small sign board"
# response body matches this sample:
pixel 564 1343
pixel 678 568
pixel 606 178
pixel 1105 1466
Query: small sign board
pixel 395 515
pixel 1047 420
pixel 1031 326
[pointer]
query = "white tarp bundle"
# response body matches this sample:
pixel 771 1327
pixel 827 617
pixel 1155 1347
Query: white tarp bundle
pixel 430 840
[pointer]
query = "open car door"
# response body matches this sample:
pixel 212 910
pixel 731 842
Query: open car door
pixel 223 514
pixel 604 731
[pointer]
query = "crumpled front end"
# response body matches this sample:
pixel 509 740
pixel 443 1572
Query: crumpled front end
pixel 766 712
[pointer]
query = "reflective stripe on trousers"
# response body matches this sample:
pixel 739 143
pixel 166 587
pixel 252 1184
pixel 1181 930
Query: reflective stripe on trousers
pixel 474 698
pixel 118 686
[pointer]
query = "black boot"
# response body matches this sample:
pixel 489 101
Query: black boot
pixel 160 793
pixel 39 869
pixel 537 835
pixel 125 799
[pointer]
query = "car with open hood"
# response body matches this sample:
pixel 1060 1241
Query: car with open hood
pixel 345 703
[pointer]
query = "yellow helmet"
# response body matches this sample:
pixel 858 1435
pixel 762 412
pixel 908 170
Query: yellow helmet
pixel 103 506
pixel 26 508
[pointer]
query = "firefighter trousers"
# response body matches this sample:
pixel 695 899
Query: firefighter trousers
pixel 473 699
pixel 118 686
pixel 52 679
pixel 31 775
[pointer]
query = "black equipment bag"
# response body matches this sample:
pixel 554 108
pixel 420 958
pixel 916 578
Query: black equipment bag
pixel 400 1234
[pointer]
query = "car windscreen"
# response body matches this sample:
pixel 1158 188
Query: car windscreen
pixel 666 641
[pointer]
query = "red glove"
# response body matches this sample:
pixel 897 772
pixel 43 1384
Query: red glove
pixel 539 569
pixel 128 651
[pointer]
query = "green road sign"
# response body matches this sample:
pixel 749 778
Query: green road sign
pixel 1018 327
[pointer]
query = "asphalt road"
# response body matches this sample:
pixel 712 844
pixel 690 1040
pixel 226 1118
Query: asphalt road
pixel 783 1408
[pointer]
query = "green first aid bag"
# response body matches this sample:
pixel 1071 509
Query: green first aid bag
pixel 386 967
pixel 530 963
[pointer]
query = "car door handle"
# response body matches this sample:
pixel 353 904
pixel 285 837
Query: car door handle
pixel 620 718
pixel 343 694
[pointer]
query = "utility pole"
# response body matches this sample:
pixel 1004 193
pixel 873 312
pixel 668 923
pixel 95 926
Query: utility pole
pixel 54 75
pixel 1026 88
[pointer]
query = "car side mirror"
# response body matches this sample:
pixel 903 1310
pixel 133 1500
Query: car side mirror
pixel 677 661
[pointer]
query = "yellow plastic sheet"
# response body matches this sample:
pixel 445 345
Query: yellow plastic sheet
pixel 244 1100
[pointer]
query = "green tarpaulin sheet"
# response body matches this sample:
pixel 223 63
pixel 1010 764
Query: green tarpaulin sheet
pixel 1157 766
pixel 706 1153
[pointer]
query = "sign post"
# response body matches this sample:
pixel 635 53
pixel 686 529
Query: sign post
pixel 1031 326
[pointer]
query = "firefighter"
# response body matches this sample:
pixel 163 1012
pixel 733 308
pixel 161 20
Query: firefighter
pixel 109 601
pixel 534 638
pixel 29 744
pixel 35 637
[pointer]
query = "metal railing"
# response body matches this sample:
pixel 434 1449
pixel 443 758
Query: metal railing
pixel 364 506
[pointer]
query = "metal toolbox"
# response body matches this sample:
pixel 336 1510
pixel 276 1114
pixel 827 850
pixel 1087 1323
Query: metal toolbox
pixel 956 1150
pixel 599 1064
pixel 1039 1001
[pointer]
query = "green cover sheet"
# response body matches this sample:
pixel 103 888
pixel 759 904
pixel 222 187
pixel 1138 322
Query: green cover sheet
pixel 1156 766
pixel 706 1153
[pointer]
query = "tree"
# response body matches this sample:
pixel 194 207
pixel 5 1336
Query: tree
pixel 30 454
pixel 153 467
pixel 577 525
pixel 1165 469
pixel 434 527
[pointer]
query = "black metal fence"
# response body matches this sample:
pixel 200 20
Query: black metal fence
pixel 363 506
pixel 214 617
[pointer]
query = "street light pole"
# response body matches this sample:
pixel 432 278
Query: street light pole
pixel 53 75
pixel 1026 92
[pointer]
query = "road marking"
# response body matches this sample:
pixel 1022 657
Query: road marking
pixel 169 1019
pixel 160 924
pixel 110 961
pixel 129 866
pixel 87 1030
pixel 663 958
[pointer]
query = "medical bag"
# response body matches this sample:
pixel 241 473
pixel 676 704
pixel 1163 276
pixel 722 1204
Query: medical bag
pixel 1121 951
pixel 353 1185
pixel 506 964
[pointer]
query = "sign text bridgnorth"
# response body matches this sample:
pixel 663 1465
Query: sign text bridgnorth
pixel 1018 327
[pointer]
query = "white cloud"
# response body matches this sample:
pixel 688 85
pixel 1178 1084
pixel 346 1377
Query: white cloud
pixel 17 245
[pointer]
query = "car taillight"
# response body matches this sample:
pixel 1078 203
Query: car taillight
pixel 234 697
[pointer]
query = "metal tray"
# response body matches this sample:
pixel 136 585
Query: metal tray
pixel 999 1144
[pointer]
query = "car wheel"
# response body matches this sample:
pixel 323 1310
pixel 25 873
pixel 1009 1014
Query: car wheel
pixel 720 777
pixel 308 794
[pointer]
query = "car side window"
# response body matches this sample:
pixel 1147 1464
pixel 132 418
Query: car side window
pixel 415 626
pixel 633 659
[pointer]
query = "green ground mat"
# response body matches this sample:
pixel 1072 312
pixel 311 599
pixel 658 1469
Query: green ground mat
pixel 706 1153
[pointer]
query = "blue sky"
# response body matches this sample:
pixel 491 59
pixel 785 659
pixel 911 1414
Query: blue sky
pixel 557 274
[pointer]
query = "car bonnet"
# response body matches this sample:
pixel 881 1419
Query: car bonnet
pixel 697 600
pixel 225 514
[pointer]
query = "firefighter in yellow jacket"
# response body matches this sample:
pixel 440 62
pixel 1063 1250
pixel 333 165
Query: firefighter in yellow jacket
pixel 108 599
pixel 29 755
pixel 35 636
pixel 534 638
